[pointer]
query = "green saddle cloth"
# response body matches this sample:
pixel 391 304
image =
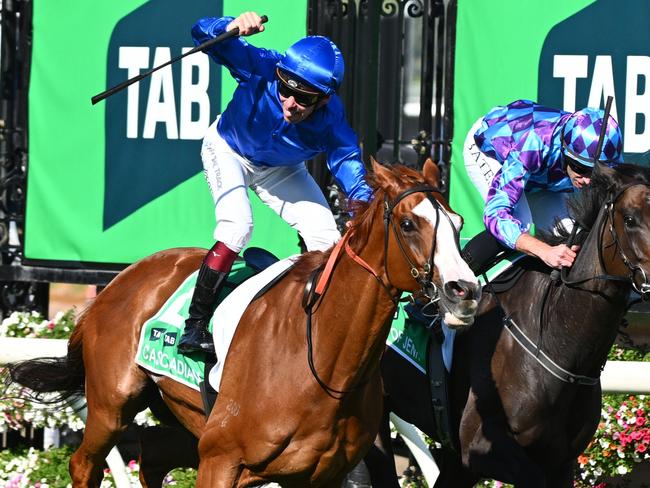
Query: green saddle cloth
pixel 157 347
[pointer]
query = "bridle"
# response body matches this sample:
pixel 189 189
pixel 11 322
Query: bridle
pixel 424 276
pixel 635 269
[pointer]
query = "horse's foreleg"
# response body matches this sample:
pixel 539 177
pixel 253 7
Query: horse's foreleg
pixel 562 477
pixel 494 453
pixel 380 460
pixel 162 449
pixel 453 474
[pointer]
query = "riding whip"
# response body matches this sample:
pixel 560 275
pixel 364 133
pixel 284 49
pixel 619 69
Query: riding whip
pixel 603 128
pixel 226 35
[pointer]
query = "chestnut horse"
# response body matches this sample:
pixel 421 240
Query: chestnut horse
pixel 299 408
pixel 518 417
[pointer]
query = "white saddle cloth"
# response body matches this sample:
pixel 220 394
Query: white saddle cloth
pixel 229 312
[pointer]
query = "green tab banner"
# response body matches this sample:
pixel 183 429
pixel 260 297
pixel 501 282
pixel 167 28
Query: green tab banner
pixel 119 180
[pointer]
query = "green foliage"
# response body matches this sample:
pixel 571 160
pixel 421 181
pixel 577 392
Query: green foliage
pixel 53 467
pixel 181 478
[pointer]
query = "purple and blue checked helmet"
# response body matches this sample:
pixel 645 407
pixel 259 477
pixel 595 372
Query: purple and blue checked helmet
pixel 580 138
pixel 316 61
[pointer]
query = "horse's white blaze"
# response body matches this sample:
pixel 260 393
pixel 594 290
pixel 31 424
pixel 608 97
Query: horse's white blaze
pixel 450 264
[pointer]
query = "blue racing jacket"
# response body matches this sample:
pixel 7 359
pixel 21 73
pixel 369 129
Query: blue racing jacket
pixel 253 124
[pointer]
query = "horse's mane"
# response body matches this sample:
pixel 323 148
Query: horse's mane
pixel 584 205
pixel 364 214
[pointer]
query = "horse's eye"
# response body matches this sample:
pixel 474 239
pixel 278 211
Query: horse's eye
pixel 629 221
pixel 407 225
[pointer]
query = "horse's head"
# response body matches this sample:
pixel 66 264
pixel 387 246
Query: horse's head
pixel 422 254
pixel 626 239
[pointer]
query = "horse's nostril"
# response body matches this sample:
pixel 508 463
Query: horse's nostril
pixel 455 289
pixel 461 290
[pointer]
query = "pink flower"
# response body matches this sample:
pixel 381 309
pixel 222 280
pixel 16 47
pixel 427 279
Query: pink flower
pixel 51 325
pixel 641 448
pixel 640 421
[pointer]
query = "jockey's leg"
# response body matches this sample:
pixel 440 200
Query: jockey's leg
pixel 212 276
pixel 228 176
pixel 482 251
pixel 294 195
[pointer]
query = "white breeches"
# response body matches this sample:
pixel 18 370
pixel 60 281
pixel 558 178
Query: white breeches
pixel 289 190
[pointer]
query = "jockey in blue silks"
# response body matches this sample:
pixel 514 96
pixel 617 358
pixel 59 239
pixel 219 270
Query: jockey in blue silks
pixel 525 159
pixel 284 111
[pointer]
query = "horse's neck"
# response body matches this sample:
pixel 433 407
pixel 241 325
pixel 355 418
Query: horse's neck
pixel 583 321
pixel 355 313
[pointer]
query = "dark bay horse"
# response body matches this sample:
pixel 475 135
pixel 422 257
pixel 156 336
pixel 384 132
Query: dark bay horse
pixel 515 419
pixel 294 407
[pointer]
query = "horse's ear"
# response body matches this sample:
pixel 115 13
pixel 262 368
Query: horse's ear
pixel 382 174
pixel 431 172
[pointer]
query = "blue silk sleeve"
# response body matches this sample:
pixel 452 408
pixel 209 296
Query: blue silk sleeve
pixel 241 58
pixel 344 161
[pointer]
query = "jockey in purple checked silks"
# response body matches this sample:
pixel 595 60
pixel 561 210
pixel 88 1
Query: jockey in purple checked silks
pixel 525 159
pixel 284 111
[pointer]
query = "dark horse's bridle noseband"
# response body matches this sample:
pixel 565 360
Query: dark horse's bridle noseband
pixel 635 269
pixel 423 276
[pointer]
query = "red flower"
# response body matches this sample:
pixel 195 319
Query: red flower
pixel 641 448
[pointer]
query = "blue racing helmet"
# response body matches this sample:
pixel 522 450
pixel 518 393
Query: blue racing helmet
pixel 580 138
pixel 316 61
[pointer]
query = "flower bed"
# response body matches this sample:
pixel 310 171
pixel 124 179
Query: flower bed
pixel 27 468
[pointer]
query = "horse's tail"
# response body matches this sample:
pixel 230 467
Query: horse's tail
pixel 51 380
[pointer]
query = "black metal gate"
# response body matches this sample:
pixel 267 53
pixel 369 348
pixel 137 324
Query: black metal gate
pixel 398 87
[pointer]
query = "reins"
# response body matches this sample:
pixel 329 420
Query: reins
pixel 313 294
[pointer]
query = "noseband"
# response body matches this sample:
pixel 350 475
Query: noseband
pixel 423 276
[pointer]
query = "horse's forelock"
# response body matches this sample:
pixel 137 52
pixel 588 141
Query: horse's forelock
pixel 401 179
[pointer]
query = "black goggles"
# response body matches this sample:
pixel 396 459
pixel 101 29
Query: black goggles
pixel 288 87
pixel 579 169
pixel 303 99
